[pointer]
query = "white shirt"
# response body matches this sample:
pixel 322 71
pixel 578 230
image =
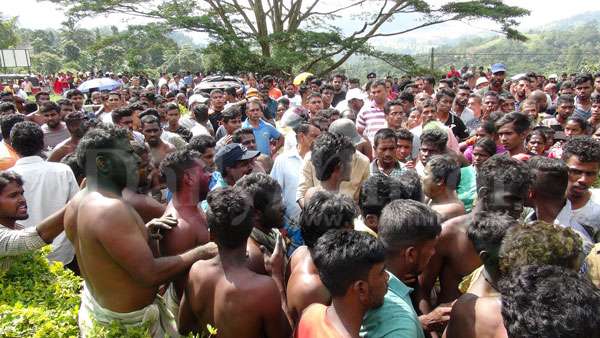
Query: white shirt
pixel 199 129
pixel 569 218
pixel 286 171
pixel 48 187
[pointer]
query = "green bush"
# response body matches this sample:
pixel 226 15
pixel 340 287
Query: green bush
pixel 41 299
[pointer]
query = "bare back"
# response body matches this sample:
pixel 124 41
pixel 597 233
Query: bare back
pixel 235 300
pixel 304 286
pixel 103 230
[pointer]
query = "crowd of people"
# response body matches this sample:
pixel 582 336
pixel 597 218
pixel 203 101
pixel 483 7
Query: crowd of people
pixel 397 207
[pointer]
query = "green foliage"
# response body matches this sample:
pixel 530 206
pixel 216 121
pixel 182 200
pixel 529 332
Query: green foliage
pixel 46 62
pixel 38 299
pixel 8 32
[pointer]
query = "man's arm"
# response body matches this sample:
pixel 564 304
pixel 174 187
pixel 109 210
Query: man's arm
pixel 186 317
pixel 428 277
pixel 305 182
pixel 129 248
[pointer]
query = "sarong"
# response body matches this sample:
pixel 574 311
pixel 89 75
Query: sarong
pixel 172 301
pixel 159 319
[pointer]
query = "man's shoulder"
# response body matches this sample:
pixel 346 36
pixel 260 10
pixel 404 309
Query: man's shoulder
pixel 395 315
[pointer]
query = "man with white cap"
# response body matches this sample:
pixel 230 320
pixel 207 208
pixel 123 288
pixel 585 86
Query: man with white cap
pixel 353 104
pixel 193 101
pixel 481 83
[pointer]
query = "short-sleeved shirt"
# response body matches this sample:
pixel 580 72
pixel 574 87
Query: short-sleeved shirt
pixel 457 126
pixel 52 137
pixel 371 120
pixel 396 172
pixel 263 134
pixel 396 318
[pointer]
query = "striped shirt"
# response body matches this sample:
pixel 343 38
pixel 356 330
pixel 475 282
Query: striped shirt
pixel 371 120
pixel 17 242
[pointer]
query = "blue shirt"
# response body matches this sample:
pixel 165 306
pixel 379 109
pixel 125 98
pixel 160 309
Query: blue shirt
pixel 396 317
pixel 263 135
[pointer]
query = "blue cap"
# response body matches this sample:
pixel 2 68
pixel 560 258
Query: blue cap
pixel 498 67
pixel 229 154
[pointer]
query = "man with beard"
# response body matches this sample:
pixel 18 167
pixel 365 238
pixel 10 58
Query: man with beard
pixel 408 230
pixel 565 105
pixel 217 104
pixel 55 131
pixel 522 90
pixel 351 266
pixel 339 94
pixel 582 156
pixel 459 106
pixel 77 126
pixel 583 88
pixel 152 131
pixel 187 178
pixel 497 80
pixel 14 238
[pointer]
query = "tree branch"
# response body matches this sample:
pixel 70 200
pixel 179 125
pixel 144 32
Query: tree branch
pixel 236 4
pixel 338 10
pixel 427 24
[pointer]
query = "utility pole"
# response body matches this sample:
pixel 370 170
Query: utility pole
pixel 432 62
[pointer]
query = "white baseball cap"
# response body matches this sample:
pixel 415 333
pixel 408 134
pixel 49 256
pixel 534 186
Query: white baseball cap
pixel 481 80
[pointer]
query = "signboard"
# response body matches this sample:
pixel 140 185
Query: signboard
pixel 11 58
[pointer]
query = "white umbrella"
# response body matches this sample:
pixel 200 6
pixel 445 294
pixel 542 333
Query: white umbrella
pixel 104 83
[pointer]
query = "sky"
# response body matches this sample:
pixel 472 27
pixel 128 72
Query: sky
pixel 40 15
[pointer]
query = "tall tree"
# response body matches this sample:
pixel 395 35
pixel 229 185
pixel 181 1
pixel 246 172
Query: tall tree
pixel 8 32
pixel 291 35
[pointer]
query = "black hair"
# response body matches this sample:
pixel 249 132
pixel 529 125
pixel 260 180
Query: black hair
pixel 404 134
pixel 487 230
pixel 343 257
pixel 102 139
pixel 325 211
pixel 445 168
pixel 436 136
pixel 383 134
pixel 261 188
pixel 120 113
pixel 411 182
pixel 64 102
pixel 231 113
pixel 551 177
pixel 444 92
pixel 302 128
pixel 38 94
pixel 328 151
pixel 6 107
pixel 583 124
pixel 585 148
pixel 174 165
pixel 229 216
pixel 201 143
pixel 27 138
pixel 7 177
pixel 583 78
pixel 237 135
pixel 230 90
pixel 327 86
pixel 406 223
pixel 521 122
pixel 216 91
pixel 406 96
pixel 30 107
pixel 389 104
pixel 504 172
pixel 73 92
pixel 149 119
pixel 565 98
pixel 550 301
pixel 487 144
pixel 489 127
pixel 595 97
pixel 7 122
pixel 150 112
pixel 378 83
pixel 200 113
pixel 49 106
pixel 379 190
pixel 172 106
pixel 71 161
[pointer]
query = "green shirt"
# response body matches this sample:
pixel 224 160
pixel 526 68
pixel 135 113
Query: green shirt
pixel 396 317
pixel 467 187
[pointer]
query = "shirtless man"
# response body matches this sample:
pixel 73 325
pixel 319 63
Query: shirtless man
pixel 304 284
pixel 36 116
pixel 486 232
pixel 440 178
pixel 187 178
pixel 265 193
pixel 77 126
pixel 152 131
pixel 223 291
pixel 121 275
pixel 502 185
